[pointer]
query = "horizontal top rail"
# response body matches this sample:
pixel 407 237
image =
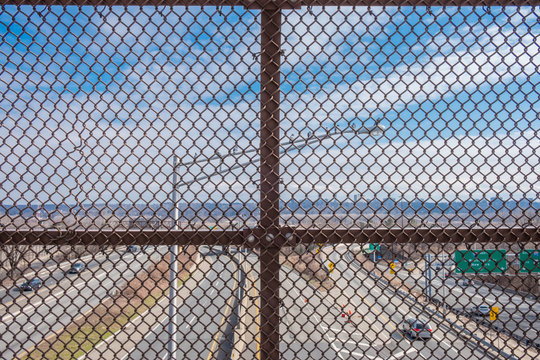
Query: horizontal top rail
pixel 254 238
pixel 283 4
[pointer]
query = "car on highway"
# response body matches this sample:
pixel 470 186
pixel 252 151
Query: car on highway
pixel 133 249
pixel 417 328
pixel 76 268
pixel 480 310
pixel 31 285
pixel 464 282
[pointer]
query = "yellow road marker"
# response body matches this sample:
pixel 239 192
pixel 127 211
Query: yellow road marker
pixel 257 317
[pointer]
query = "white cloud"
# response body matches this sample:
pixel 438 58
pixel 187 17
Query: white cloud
pixel 456 167
pixel 125 136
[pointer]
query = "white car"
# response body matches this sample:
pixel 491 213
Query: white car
pixel 480 310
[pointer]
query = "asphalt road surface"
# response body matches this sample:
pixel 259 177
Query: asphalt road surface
pixel 518 314
pixel 205 318
pixel 33 316
pixel 318 325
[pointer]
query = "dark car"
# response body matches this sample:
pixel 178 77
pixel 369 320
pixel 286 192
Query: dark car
pixel 31 285
pixel 133 249
pixel 76 268
pixel 417 328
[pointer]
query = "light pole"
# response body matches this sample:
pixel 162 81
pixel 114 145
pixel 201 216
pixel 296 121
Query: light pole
pixel 288 146
pixel 173 274
pixel 427 261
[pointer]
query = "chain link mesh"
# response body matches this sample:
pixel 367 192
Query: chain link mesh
pixel 334 182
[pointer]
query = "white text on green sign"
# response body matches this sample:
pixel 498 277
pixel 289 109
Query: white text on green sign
pixel 480 261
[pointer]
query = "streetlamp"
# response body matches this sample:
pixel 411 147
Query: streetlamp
pixel 288 146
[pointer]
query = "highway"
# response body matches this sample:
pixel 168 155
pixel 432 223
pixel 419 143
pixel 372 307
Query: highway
pixel 318 329
pixel 518 314
pixel 205 318
pixel 316 324
pixel 34 316
pixel 51 273
pixel 360 317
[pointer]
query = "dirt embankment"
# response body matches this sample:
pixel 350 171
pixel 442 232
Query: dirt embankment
pixel 154 280
pixel 311 267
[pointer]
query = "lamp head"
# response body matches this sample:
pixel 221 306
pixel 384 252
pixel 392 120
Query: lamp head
pixel 377 130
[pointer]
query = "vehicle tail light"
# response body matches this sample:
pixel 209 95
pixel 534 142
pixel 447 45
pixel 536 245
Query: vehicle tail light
pixel 416 329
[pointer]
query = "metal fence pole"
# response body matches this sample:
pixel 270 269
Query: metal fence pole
pixel 427 261
pixel 173 274
pixel 269 172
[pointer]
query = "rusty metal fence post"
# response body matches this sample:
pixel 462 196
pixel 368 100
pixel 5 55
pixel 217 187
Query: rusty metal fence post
pixel 269 173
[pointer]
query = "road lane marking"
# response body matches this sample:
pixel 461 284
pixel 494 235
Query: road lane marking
pixel 416 305
pixel 330 339
pixel 50 298
pixel 149 333
pixel 46 339
pixel 55 333
pixel 336 349
pixel 52 286
pixel 445 343
pixel 141 317
pixel 372 306
pixel 403 353
pixel 349 341
pixel 358 354
pixel 374 324
pixel 225 314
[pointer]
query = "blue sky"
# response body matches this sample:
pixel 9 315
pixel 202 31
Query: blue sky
pixel 95 100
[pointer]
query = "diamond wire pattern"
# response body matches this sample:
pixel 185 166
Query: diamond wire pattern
pixel 97 100
pixel 346 68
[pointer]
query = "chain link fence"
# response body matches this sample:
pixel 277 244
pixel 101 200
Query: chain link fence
pixel 269 180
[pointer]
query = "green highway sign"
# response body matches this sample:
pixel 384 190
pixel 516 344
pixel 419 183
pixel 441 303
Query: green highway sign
pixel 369 248
pixel 480 261
pixel 374 247
pixel 530 261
